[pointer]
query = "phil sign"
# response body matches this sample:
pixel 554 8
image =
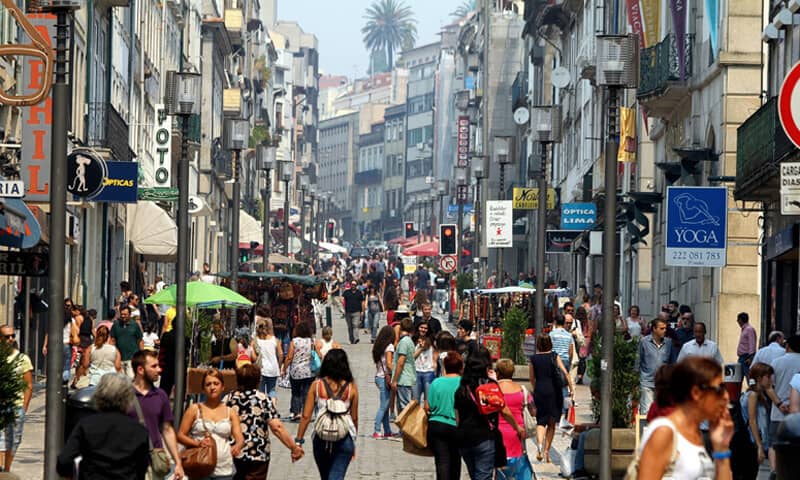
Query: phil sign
pixel 697 226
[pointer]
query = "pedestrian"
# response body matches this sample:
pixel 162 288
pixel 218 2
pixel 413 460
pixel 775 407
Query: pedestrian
pixel 746 349
pixel 423 283
pixel 335 384
pixel 405 374
pixel 109 442
pixel 353 304
pixel 517 398
pixel 478 436
pixel 785 367
pixel 755 405
pixel 464 342
pixel 440 406
pixel 127 337
pixel 374 308
pixel 700 346
pixel 654 351
pixel 11 436
pixel 150 338
pixel 269 357
pixel 548 392
pixel 424 361
pixel 584 350
pixel 683 334
pixel 223 347
pixel 794 394
pixel 620 325
pixel 298 365
pixel 673 446
pixel 636 324
pixel 213 421
pixel 326 343
pixel 382 356
pixel 434 325
pixel 151 407
pixel 257 413
pixel 775 348
pixel 445 343
pixel 102 357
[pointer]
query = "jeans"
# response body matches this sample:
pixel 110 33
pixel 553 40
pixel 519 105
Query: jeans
pixel 745 366
pixel 353 320
pixel 404 396
pixel 299 391
pixel 284 338
pixel 333 458
pixel 67 363
pixel 445 450
pixel 382 415
pixel 479 460
pixel 373 318
pixel 424 380
pixel 645 399
pixel 268 386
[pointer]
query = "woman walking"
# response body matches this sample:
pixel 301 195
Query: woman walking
pixel 335 383
pixel 382 353
pixel 547 393
pixel 440 406
pixel 517 398
pixel 101 357
pixel 424 361
pixel 755 408
pixel 374 308
pixel 269 354
pixel 635 322
pixel 326 343
pixel 298 364
pixel 213 421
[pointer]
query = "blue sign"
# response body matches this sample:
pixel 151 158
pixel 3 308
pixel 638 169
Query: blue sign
pixel 19 227
pixel 452 209
pixel 120 184
pixel 697 226
pixel 578 216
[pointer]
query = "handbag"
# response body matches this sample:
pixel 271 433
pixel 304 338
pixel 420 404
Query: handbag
pixel 200 462
pixel 159 459
pixel 500 459
pixel 528 419
pixel 559 380
pixel 413 423
pixel 316 361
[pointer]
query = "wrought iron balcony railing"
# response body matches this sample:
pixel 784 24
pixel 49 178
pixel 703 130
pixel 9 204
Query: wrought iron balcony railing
pixel 107 129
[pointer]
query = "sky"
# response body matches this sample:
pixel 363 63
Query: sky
pixel 337 25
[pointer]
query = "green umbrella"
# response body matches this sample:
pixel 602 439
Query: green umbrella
pixel 201 295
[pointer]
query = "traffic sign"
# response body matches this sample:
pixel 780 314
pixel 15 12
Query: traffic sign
pixel 789 104
pixel 697 226
pixel 447 264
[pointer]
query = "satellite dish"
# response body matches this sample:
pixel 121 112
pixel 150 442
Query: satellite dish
pixel 560 77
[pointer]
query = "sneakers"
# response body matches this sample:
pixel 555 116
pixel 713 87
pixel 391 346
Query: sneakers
pixel 393 435
pixel 377 436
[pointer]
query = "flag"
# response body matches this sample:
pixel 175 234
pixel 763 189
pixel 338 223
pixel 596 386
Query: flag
pixel 627 135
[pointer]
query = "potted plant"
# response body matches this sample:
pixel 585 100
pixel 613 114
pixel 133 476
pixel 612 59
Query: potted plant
pixel 11 386
pixel 514 325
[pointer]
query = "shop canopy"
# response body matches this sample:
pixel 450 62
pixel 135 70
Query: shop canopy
pixel 332 247
pixel 202 295
pixel 301 279
pixel 250 229
pixel 427 249
pixel 502 290
pixel 151 231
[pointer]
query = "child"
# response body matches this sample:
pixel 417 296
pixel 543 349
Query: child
pixel 326 343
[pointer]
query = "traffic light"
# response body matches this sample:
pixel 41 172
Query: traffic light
pixel 329 230
pixel 410 230
pixel 447 239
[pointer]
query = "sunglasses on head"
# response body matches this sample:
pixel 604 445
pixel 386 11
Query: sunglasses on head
pixel 718 389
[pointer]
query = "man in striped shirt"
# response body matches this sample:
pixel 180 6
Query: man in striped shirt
pixel 563 345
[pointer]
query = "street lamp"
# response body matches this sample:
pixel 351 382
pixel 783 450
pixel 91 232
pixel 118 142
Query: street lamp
pixel 442 189
pixel 312 231
pixel 462 183
pixel 182 97
pixel 502 156
pixel 617 68
pixel 236 135
pixel 480 170
pixel 265 156
pixel 303 187
pixel 287 172
pixel 546 129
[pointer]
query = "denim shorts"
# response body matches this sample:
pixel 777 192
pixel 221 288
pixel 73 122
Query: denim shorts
pixel 11 436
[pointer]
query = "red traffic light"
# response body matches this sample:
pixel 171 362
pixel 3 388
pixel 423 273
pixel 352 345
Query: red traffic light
pixel 447 232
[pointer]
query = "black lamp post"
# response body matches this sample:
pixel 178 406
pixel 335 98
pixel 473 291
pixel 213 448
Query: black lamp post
pixel 265 155
pixel 503 157
pixel 480 170
pixel 287 171
pixel 238 132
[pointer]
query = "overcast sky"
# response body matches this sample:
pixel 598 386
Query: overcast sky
pixel 337 24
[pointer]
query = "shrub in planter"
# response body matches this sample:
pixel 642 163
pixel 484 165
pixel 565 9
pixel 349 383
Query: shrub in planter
pixel 625 380
pixel 514 325
pixel 11 385
pixel 463 282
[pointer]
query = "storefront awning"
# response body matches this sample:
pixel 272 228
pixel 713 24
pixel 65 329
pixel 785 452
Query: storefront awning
pixel 19 227
pixel 152 231
pixel 250 229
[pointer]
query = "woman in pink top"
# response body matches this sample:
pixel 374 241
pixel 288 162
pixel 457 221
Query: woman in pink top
pixel 519 467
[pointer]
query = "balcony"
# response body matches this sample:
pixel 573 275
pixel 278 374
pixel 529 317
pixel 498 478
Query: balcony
pixel 234 23
pixel 107 129
pixel 761 145
pixel 661 88
pixel 369 177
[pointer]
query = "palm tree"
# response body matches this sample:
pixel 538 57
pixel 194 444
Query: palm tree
pixel 464 9
pixel 390 25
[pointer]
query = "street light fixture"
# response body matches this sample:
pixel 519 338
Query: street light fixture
pixel 287 172
pixel 236 136
pixel 265 156
pixel 182 97
pixel 617 68
pixel 503 156
pixel 546 129
pixel 303 184
pixel 462 182
pixel 480 170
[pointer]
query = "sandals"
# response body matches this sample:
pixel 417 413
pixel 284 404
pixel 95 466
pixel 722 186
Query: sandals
pixel 538 452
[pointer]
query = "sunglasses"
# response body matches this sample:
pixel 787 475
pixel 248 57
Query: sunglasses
pixel 718 389
pixel 11 336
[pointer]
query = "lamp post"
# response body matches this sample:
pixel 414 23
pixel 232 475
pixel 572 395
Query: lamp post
pixel 502 155
pixel 617 68
pixel 265 155
pixel 312 231
pixel 442 188
pixel 54 417
pixel 237 133
pixel 303 187
pixel 287 171
pixel 546 129
pixel 480 170
pixel 182 98
pixel 462 182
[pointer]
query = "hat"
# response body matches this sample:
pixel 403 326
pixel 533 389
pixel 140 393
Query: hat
pixel 402 309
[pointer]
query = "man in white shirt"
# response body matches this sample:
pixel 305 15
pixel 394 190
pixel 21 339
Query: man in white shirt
pixel 772 350
pixel 700 346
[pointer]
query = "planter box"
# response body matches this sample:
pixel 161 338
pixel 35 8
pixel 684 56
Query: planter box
pixel 623 449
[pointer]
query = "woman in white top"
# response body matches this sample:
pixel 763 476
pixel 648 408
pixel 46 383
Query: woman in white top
pixel 326 343
pixel 101 357
pixel 269 354
pixel 636 326
pixel 672 446
pixel 382 355
pixel 424 361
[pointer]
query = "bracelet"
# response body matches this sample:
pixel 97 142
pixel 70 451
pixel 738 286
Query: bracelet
pixel 299 441
pixel 723 455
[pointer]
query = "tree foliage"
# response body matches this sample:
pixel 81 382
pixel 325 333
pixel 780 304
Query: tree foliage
pixel 390 25
pixel 624 380
pixel 464 9
pixel 514 325
pixel 11 385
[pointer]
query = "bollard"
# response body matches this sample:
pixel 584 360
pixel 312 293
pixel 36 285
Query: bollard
pixel 732 377
pixel 328 316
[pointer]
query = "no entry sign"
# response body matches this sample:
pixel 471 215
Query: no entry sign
pixel 789 105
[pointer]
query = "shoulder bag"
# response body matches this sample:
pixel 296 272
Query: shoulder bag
pixel 200 462
pixel 500 459
pixel 159 459
pixel 559 379
pixel 529 420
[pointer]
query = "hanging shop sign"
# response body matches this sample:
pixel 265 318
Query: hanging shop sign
pixel 24 264
pixel 162 148
pixel 560 241
pixel 158 194
pixel 120 184
pixel 578 216
pixel 697 226
pixel 790 188
pixel 526 198
pixel 499 223
pixel 462 158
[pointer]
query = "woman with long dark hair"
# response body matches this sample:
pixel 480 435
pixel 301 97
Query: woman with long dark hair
pixel 101 357
pixel 424 360
pixel 382 353
pixel 298 364
pixel 335 382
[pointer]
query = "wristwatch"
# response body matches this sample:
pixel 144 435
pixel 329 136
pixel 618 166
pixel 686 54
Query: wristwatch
pixel 299 441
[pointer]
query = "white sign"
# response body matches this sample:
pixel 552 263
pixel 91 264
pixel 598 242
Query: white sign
pixel 790 188
pixel 162 149
pixel 196 205
pixel 12 188
pixel 790 203
pixel 499 223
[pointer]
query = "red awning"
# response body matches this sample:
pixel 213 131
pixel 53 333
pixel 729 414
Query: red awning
pixel 428 249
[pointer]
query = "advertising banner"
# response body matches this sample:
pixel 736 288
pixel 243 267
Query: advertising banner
pixel 697 226
pixel 560 241
pixel 462 158
pixel 578 216
pixel 526 198
pixel 499 223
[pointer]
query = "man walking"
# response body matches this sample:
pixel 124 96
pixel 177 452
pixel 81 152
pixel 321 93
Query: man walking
pixel 683 334
pixel 127 337
pixel 775 348
pixel 564 347
pixel 654 351
pixel 785 367
pixel 11 436
pixel 405 373
pixel 746 349
pixel 354 306
pixel 434 325
pixel 700 346
pixel 152 408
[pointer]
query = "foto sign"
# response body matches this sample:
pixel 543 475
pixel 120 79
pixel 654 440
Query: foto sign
pixel 789 104
pixel 697 226
pixel 499 223
pixel 578 216
pixel 162 148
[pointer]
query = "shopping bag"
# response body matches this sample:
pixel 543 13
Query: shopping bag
pixel 409 447
pixel 413 422
pixel 284 382
pixel 571 415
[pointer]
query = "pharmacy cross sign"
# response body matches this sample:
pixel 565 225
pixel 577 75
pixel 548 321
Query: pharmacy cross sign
pixel 789 105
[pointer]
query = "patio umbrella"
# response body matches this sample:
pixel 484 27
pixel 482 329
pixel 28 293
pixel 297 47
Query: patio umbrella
pixel 427 249
pixel 201 295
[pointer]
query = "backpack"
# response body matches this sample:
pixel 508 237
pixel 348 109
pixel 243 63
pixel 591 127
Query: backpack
pixel 489 398
pixel 332 422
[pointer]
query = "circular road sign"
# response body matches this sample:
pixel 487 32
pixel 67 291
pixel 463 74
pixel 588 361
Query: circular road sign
pixel 789 104
pixel 447 263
